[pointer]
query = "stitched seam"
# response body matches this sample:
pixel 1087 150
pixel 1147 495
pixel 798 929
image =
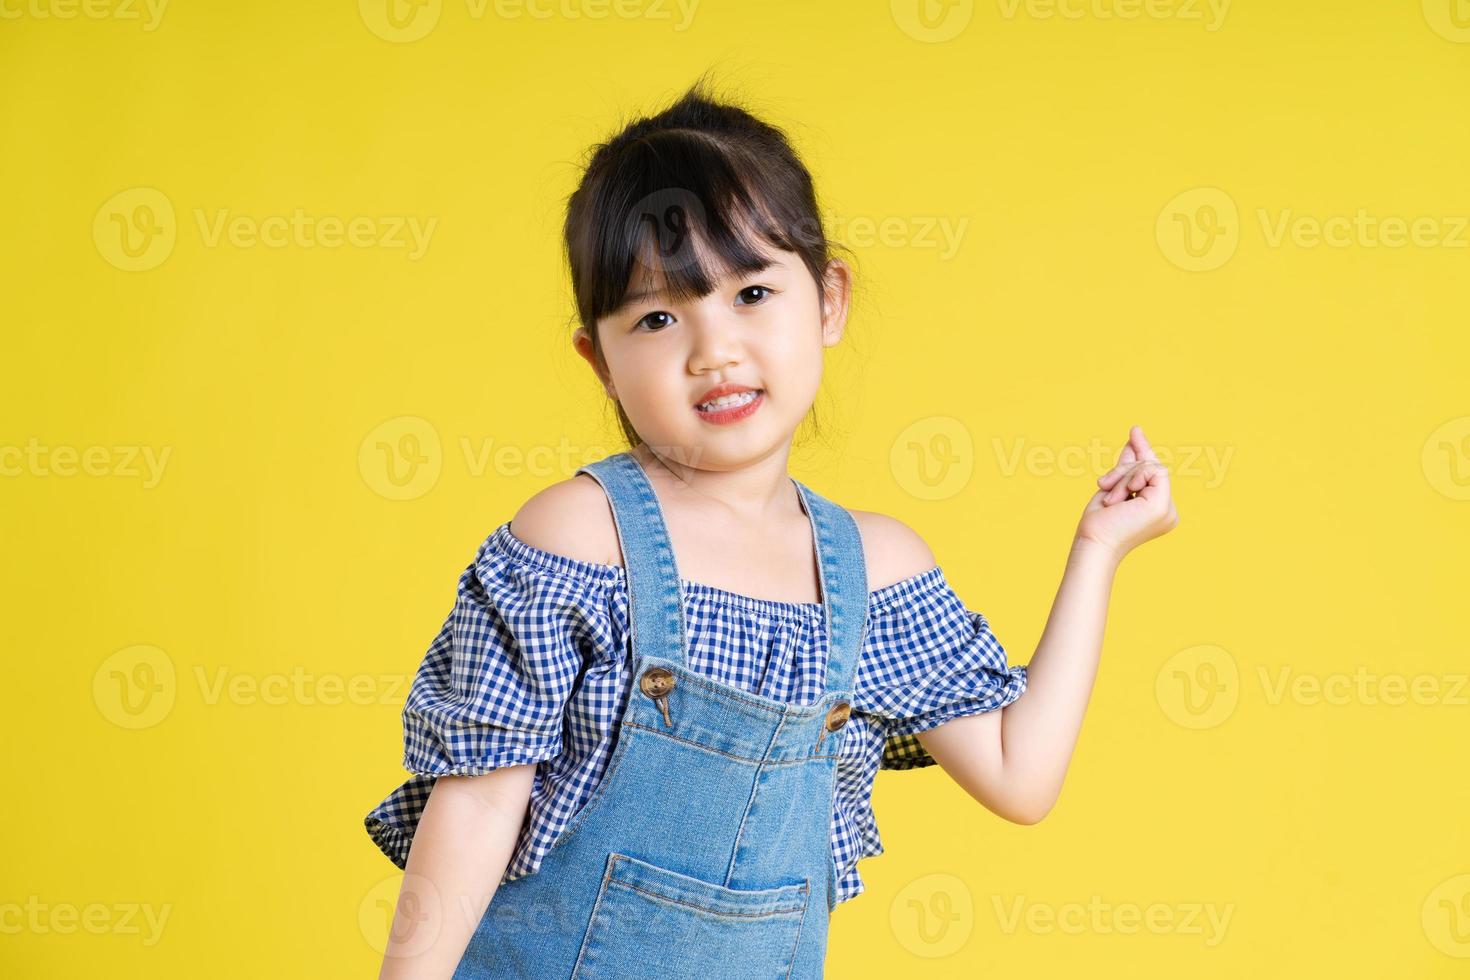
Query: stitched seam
pixel 831 858
pixel 812 522
pixel 888 596
pixel 766 913
pixel 820 533
pixel 592 919
pixel 770 705
pixel 729 755
pixel 592 471
pixel 601 792
pixel 654 514
pixel 749 803
pixel 859 558
pixel 791 964
pixel 539 561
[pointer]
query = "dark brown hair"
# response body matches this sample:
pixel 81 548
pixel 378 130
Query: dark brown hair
pixel 702 170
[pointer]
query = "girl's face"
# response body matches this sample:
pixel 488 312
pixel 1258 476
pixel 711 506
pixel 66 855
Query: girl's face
pixel 763 331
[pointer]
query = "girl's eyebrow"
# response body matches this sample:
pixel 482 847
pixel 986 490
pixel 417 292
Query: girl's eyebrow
pixel 639 295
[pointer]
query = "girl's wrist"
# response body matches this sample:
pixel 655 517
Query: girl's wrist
pixel 1087 550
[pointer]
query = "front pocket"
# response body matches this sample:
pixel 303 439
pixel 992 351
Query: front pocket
pixel 652 922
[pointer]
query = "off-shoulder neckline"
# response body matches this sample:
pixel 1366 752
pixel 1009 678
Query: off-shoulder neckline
pixel 603 572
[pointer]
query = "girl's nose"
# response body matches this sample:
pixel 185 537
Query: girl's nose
pixel 716 344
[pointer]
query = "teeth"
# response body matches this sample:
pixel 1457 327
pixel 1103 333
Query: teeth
pixel 728 401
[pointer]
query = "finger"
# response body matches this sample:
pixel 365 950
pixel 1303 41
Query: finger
pixel 1136 480
pixel 1119 490
pixel 1128 455
pixel 1156 491
pixel 1136 450
pixel 1143 447
pixel 1140 477
pixel 1127 459
pixel 1116 489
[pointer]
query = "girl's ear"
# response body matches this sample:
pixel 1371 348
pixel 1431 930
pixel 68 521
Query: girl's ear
pixel 582 342
pixel 836 292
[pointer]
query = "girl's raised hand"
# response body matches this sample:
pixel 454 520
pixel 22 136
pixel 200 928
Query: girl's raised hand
pixel 1133 504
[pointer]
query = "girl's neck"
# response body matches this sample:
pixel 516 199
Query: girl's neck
pixel 755 491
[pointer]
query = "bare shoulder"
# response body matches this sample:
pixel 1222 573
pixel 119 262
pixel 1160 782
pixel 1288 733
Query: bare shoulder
pixel 894 551
pixel 571 518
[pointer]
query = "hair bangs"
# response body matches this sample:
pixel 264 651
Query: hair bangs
pixel 688 216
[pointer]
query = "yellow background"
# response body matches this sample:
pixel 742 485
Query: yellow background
pixel 1327 540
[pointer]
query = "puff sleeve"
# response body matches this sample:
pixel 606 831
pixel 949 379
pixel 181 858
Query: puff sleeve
pixel 939 661
pixel 493 688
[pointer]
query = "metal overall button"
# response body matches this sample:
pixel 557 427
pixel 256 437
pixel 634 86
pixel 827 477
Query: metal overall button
pixel 657 682
pixel 836 718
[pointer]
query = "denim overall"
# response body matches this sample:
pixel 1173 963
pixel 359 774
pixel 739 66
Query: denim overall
pixel 705 850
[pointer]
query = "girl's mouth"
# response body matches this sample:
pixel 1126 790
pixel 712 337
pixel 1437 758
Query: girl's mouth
pixel 731 408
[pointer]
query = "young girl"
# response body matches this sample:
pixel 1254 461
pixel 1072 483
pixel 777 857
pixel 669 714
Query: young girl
pixel 644 742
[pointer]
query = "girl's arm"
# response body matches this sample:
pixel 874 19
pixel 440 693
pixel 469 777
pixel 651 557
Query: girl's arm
pixel 1014 761
pixel 465 839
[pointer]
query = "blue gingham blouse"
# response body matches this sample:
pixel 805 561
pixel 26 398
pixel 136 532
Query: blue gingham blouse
pixel 531 665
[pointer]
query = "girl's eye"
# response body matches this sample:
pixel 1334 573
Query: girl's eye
pixel 655 313
pixel 659 319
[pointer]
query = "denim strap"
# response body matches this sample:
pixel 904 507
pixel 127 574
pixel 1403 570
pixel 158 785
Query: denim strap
pixel 844 585
pixel 655 597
